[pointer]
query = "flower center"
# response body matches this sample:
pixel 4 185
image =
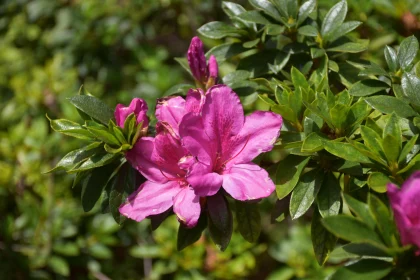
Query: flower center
pixel 220 165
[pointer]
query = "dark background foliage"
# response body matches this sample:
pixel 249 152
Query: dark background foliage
pixel 120 49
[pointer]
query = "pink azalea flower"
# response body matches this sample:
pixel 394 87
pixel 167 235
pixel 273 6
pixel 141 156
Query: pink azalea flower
pixel 203 73
pixel 225 142
pixel 137 106
pixel 165 164
pixel 406 207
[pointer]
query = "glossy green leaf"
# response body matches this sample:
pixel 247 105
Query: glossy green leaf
pixel 365 269
pixel 352 229
pixel 254 17
pixel 367 87
pixel 178 89
pixel 102 133
pixel 71 129
pixel 408 147
pixel 384 220
pixel 96 160
pixel 93 185
pixel 329 196
pixel 407 51
pixel 391 58
pixel 361 210
pixel 220 221
pixel 188 236
pixel 305 193
pixel 373 141
pixel 288 173
pixel 59 265
pixel 267 7
pixel 322 240
pixel 93 107
pixel 357 250
pixel 313 142
pixel 411 87
pixel 225 51
pixel 249 220
pixel 308 30
pixel 219 30
pixel 377 181
pixel 334 18
pixel 305 9
pixel 345 151
pixel 410 165
pixel 389 104
pixel 349 47
pixel 342 30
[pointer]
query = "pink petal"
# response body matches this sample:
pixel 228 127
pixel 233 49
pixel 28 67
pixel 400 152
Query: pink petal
pixel 247 182
pixel 141 157
pixel 223 118
pixel 187 207
pixel 194 138
pixel 203 180
pixel 194 101
pixel 170 110
pixel 150 199
pixel 258 135
pixel 213 67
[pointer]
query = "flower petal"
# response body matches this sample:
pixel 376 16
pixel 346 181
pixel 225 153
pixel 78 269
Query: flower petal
pixel 203 180
pixel 247 182
pixel 223 117
pixel 403 223
pixel 187 207
pixel 141 157
pixel 258 135
pixel 194 101
pixel 194 138
pixel 168 152
pixel 150 199
pixel 137 106
pixel 170 110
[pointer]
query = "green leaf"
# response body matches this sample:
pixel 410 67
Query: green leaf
pixel 93 107
pixel 93 185
pixel 392 132
pixel 225 51
pixel 357 250
pixel 178 89
pixel 367 87
pixel 71 129
pixel 249 220
pixel 299 79
pixel 377 181
pixel 73 158
pixel 184 63
pixel 352 229
pixel 120 187
pixel 350 47
pixel 322 240
pixel 238 75
pixel 334 18
pixel 329 196
pixel 267 100
pixel 254 17
pixel 188 236
pixel 267 7
pixel 274 29
pixel 96 160
pixel 407 51
pixel 391 149
pixel 391 59
pixel 308 30
pixel 251 44
pixel 288 173
pixel 389 104
pixel 342 30
pixel 365 269
pixel 219 30
pixel 411 87
pixel 411 163
pixel 408 147
pixel 314 142
pixel 361 210
pixel 305 193
pixel 67 249
pixel 101 133
pixel 384 220
pixel 304 11
pixel 373 141
pixel 220 221
pixel 59 265
pixel 345 151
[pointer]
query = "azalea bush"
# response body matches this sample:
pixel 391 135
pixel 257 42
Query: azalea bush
pixel 291 146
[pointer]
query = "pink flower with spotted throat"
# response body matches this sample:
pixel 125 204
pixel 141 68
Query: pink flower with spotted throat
pixel 137 106
pixel 406 206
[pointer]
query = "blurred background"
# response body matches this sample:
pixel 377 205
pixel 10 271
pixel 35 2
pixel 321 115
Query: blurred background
pixel 120 49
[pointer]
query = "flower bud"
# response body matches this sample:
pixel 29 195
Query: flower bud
pixel 406 207
pixel 213 67
pixel 197 60
pixel 138 107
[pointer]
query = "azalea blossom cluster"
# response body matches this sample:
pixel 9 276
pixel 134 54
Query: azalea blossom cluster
pixel 202 151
